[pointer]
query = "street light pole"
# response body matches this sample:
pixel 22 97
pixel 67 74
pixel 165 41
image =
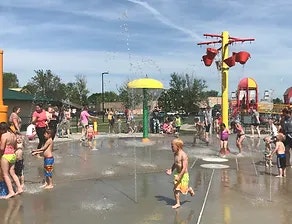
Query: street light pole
pixel 102 94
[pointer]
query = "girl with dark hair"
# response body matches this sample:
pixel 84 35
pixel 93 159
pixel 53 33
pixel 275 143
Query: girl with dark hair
pixel 15 120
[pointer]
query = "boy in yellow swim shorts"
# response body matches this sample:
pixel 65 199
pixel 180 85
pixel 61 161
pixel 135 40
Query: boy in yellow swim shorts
pixel 180 170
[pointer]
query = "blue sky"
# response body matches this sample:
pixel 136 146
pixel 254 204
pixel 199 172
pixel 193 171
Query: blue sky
pixel 133 38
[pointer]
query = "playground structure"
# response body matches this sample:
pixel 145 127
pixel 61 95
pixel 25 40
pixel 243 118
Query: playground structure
pixel 247 97
pixel 225 63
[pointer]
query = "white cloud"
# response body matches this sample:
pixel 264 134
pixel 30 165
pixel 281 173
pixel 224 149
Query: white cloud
pixel 132 38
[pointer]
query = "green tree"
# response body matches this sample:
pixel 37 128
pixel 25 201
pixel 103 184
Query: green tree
pixel 111 97
pixel 130 97
pixel 10 80
pixel 80 90
pixel 46 85
pixel 184 93
pixel 211 93
pixel 277 101
pixel 96 98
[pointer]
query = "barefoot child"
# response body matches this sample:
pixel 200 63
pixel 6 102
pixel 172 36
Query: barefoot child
pixel 19 159
pixel 48 158
pixel 89 136
pixel 7 151
pixel 180 169
pixel 224 134
pixel 281 157
pixel 239 137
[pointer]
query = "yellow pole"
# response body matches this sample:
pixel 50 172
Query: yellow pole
pixel 225 68
pixel 95 127
pixel 3 108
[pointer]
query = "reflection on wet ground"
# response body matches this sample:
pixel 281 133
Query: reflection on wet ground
pixel 123 181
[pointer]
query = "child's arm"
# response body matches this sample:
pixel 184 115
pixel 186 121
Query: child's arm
pixel 42 149
pixel 228 130
pixel 275 150
pixel 169 171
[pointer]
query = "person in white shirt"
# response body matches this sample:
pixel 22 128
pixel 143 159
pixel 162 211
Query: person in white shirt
pixel 31 132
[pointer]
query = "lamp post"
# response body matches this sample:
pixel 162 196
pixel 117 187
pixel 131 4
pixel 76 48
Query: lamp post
pixel 102 94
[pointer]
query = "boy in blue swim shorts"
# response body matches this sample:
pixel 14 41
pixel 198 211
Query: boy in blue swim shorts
pixel 47 150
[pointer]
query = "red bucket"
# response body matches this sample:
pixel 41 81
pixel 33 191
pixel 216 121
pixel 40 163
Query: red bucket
pixel 242 57
pixel 230 61
pixel 211 52
pixel 207 61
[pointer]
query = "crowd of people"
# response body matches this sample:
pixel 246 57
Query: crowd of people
pixel 278 141
pixel 44 126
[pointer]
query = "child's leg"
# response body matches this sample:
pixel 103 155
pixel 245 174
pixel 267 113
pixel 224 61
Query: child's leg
pixel 176 197
pixel 191 191
pixel 280 172
pixel 284 172
pixel 22 181
pixel 225 146
pixel 49 181
pixel 16 180
pixel 5 172
pixel 195 139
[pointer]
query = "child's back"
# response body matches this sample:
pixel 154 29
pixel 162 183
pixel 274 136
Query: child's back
pixel 19 164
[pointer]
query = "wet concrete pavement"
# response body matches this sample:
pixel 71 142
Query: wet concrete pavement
pixel 123 181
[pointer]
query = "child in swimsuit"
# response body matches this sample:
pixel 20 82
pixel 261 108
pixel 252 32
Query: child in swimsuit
pixel 7 146
pixel 19 165
pixel 180 169
pixel 90 136
pixel 281 156
pixel 47 149
pixel 240 136
pixel 223 134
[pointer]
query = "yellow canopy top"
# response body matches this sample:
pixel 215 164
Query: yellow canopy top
pixel 145 83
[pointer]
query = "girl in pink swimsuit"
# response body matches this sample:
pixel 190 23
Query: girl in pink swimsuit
pixel 224 134
pixel 8 159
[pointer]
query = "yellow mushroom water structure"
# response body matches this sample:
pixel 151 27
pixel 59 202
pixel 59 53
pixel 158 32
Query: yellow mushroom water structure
pixel 145 84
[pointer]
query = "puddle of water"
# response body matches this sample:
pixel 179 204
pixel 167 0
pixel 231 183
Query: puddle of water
pixel 101 205
pixel 108 172
pixel 69 173
pixel 214 166
pixel 33 188
pixel 214 159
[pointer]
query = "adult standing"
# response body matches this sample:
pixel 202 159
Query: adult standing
pixel 208 121
pixel 155 120
pixel 111 120
pixel 53 119
pixel 15 120
pixel 67 120
pixel 40 120
pixel 286 127
pixel 255 123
